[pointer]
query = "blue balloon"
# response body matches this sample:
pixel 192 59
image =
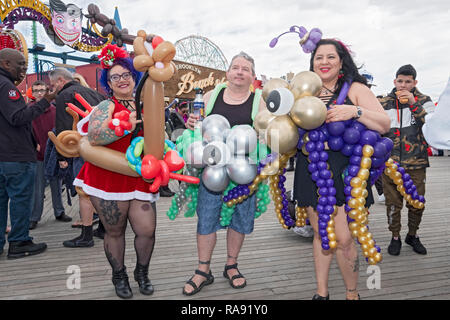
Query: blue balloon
pixel 336 128
pixel 335 143
pixel 351 136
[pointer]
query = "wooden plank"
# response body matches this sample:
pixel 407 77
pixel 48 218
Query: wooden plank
pixel 277 263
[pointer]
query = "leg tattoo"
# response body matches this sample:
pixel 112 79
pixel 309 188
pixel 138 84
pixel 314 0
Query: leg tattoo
pixel 110 211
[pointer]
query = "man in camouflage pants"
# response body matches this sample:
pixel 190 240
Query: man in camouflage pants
pixel 406 107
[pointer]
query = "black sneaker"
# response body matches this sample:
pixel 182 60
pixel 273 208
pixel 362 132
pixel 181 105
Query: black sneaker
pixel 416 244
pixel 395 246
pixel 64 218
pixel 33 225
pixel 20 249
pixel 318 297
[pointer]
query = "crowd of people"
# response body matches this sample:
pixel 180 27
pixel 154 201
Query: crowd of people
pixel 28 161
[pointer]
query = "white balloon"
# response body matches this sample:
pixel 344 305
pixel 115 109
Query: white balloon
pixel 241 171
pixel 242 140
pixel 215 178
pixel 214 128
pixel 194 155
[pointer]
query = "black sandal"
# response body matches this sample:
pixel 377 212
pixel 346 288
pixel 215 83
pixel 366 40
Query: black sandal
pixel 209 280
pixel 236 276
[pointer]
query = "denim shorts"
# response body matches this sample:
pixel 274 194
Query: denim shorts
pixel 209 206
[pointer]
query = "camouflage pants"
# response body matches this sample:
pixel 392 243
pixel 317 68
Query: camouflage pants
pixel 394 203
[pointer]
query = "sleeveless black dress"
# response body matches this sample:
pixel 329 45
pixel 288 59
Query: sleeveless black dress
pixel 305 189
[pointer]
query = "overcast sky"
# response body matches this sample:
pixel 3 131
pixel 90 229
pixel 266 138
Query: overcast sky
pixel 383 34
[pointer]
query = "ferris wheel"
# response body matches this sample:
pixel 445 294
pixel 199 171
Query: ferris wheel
pixel 201 51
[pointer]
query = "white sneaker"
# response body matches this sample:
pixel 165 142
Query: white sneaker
pixel 306 231
pixel 381 198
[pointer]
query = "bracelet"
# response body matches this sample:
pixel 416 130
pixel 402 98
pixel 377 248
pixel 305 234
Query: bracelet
pixel 358 112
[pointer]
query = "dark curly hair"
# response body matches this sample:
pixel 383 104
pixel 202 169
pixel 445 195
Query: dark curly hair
pixel 126 63
pixel 349 67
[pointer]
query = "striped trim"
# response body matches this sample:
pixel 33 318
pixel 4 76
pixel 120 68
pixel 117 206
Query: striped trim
pixel 119 196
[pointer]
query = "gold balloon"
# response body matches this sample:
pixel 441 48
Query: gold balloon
pixel 367 150
pixel 309 113
pixel 353 225
pixel 365 193
pixel 262 120
pixel 355 234
pixel 408 198
pixel 366 163
pixel 353 214
pixel 372 261
pixel 371 242
pixel 306 83
pixel 273 84
pixel 364 184
pixel 421 205
pixel 353 203
pixel 378 257
pixel 397 175
pixel 306 138
pixel 400 188
pixel 362 239
pixel 363 230
pixel 372 252
pixel 394 167
pixel 331 223
pixel 388 171
pixel 332 236
pixel 330 230
pixel 364 174
pixel 356 192
pixel 271 169
pixel 332 244
pixel 282 134
pixel 356 182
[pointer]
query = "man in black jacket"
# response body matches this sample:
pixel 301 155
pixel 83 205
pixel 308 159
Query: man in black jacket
pixel 17 156
pixel 406 106
pixel 62 82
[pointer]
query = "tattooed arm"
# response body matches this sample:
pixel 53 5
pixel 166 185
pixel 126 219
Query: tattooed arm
pixel 99 133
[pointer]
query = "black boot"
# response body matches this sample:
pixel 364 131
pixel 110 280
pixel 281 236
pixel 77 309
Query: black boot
pixel 20 249
pixel 141 276
pixel 121 284
pixel 83 241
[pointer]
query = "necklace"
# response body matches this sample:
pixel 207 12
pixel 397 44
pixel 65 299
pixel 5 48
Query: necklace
pixel 325 90
pixel 127 104
pixel 239 100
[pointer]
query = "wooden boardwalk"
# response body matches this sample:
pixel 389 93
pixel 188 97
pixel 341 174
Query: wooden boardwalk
pixel 277 263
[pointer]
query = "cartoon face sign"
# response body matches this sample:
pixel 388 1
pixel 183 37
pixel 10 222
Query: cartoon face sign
pixel 66 21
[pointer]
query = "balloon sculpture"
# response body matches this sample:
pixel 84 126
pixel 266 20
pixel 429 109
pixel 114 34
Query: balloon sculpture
pixel 226 160
pixel 156 163
pixel 295 119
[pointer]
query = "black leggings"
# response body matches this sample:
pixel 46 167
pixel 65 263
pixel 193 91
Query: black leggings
pixel 114 215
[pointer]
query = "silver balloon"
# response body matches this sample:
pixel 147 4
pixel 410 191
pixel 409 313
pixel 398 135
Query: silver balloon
pixel 241 171
pixel 214 128
pixel 242 140
pixel 194 155
pixel 216 153
pixel 215 178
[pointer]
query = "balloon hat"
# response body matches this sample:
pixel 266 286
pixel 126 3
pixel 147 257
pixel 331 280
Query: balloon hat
pixel 308 39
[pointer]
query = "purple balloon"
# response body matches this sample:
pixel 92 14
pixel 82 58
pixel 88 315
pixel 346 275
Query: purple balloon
pixel 348 123
pixel 325 174
pixel 332 200
pixel 273 43
pixel 407 177
pixel 321 183
pixel 323 233
pixel 332 191
pixel 323 156
pixel 368 137
pixel 347 208
pixel 347 180
pixel 329 209
pixel 421 198
pixel 401 170
pixel 355 160
pixel 348 190
pixel 323 191
pixel 335 143
pixel 353 170
pixel 357 151
pixel 351 136
pixel 325 246
pixel 379 150
pixel 313 135
pixel 377 162
pixel 330 182
pixel 312 167
pixel 314 156
pixel 323 201
pixel 324 131
pixel 336 128
pixel 322 165
pixel 359 126
pixel 323 225
pixel 347 150
pixel 388 143
pixel 310 146
pixel 315 176
pixel 320 146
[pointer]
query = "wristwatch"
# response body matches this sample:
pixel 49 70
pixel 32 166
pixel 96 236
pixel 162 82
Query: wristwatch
pixel 358 112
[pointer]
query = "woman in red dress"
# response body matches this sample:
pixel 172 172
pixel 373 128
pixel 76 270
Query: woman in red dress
pixel 118 198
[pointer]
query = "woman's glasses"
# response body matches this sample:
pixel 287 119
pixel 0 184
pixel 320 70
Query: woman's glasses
pixel 124 76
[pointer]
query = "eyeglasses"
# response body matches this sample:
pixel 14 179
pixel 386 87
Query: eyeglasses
pixel 39 91
pixel 124 76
